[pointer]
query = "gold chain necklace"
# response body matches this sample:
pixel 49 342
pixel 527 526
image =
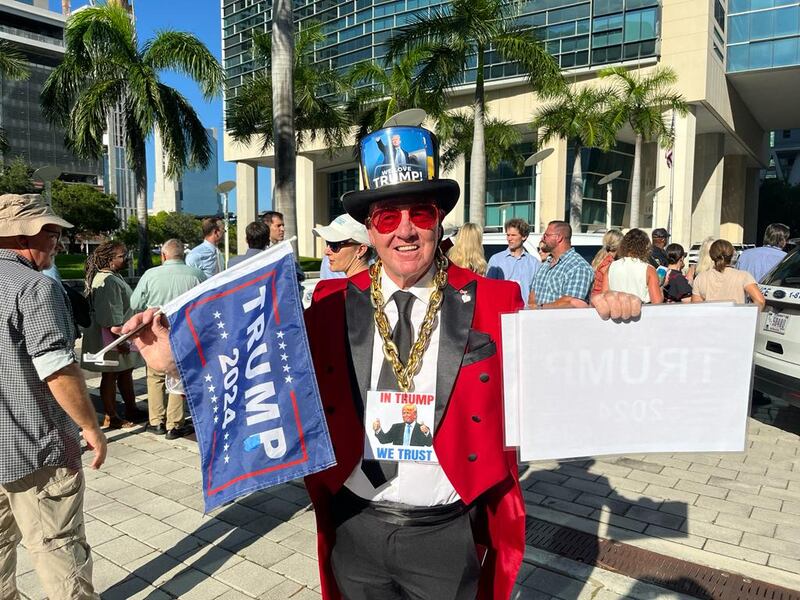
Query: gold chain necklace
pixel 405 374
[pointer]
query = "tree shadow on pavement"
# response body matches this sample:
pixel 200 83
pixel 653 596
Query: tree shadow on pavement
pixel 578 497
pixel 247 529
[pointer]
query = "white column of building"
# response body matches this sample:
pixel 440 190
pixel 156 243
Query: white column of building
pixel 678 181
pixel 553 180
pixel 246 202
pixel 305 205
pixel 709 169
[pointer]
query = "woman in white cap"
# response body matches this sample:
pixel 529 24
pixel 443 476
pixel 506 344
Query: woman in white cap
pixel 348 252
pixel 347 247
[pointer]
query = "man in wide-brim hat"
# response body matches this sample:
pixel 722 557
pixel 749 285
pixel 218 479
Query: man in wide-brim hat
pixel 451 527
pixel 43 403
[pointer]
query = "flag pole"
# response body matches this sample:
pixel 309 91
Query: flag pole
pixel 671 176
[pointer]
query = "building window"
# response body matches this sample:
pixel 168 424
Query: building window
pixel 340 182
pixel 507 192
pixel 596 165
pixel 719 14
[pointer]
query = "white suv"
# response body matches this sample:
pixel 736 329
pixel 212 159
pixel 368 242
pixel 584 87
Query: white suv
pixel 777 355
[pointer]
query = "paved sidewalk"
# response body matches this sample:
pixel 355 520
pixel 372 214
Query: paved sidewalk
pixel 151 540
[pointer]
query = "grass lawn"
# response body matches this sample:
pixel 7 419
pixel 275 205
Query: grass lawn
pixel 71 266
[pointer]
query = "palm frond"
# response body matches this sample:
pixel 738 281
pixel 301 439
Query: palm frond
pixel 186 54
pixel 12 62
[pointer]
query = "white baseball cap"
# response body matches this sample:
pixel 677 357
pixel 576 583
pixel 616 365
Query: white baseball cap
pixel 343 228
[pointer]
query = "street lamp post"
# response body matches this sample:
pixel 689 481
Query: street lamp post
pixel 534 160
pixel 503 208
pixel 224 188
pixel 412 117
pixel 651 195
pixel 608 182
pixel 47 174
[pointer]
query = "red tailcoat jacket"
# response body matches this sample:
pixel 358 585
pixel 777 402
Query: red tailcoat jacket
pixel 468 436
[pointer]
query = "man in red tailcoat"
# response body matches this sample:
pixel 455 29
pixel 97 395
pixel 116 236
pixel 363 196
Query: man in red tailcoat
pixel 452 529
pixel 396 521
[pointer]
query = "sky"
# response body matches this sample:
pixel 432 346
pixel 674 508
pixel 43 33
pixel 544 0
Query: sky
pixel 202 18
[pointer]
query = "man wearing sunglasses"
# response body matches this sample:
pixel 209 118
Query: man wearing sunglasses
pixel 452 529
pixel 413 329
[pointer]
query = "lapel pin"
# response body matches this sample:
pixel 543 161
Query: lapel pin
pixel 465 297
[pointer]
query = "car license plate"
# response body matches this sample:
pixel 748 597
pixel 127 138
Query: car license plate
pixel 776 323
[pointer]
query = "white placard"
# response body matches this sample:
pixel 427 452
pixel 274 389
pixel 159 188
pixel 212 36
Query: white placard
pixel 676 380
pixel 511 350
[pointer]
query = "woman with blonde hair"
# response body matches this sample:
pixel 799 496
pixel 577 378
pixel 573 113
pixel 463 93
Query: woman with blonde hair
pixel 704 262
pixel 604 257
pixel 723 282
pixel 632 272
pixel 467 251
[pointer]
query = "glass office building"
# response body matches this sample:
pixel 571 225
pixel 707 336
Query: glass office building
pixel 763 34
pixel 580 34
pixel 39 35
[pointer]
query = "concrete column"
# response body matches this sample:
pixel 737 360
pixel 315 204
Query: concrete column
pixel 553 179
pixel 457 173
pixel 707 186
pixel 678 180
pixel 734 192
pixel 650 154
pixel 246 202
pixel 752 189
pixel 305 205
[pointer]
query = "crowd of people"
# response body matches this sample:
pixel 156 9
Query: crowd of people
pixel 51 407
pixel 649 268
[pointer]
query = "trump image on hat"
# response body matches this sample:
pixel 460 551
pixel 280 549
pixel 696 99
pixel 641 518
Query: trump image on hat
pixel 400 164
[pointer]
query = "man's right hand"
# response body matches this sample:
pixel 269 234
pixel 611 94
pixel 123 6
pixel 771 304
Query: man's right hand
pixel 376 425
pixel 152 340
pixel 96 440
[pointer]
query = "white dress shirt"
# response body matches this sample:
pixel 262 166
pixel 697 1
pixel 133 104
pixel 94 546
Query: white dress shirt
pixel 417 484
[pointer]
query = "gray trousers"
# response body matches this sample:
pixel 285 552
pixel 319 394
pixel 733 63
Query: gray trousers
pixel 376 560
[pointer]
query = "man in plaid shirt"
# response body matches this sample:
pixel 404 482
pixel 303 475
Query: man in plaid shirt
pixel 565 279
pixel 43 404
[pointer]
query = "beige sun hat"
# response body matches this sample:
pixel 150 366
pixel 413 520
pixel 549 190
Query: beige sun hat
pixel 26 214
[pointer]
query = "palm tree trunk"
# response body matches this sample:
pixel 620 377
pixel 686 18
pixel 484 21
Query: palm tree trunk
pixel 576 191
pixel 477 165
pixel 140 177
pixel 284 199
pixel 636 182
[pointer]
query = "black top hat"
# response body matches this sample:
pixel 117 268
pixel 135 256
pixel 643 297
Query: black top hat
pixel 400 164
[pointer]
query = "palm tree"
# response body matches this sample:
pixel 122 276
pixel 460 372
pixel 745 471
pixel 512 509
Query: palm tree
pixel 283 59
pixel 316 111
pixel 105 69
pixel 388 90
pixel 13 67
pixel 456 132
pixel 459 33
pixel 581 118
pixel 641 101
pixel 313 110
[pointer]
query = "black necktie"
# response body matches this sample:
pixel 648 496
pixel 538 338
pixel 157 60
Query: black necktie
pixel 376 471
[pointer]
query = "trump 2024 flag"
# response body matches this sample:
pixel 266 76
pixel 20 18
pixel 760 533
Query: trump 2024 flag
pixel 241 348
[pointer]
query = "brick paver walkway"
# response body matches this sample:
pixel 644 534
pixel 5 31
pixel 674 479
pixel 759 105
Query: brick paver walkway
pixel 151 540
